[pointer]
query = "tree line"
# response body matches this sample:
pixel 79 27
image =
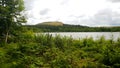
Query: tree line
pixel 72 28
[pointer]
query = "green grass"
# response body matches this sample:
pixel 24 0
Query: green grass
pixel 45 51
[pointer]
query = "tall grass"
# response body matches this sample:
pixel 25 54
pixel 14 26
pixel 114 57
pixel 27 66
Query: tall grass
pixel 45 51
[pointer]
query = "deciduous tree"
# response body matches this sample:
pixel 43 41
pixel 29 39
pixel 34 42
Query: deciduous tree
pixel 10 17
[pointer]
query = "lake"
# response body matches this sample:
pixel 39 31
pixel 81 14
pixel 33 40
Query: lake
pixel 80 35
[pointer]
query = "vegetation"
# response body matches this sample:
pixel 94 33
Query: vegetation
pixel 45 51
pixel 10 18
pixel 21 48
pixel 71 28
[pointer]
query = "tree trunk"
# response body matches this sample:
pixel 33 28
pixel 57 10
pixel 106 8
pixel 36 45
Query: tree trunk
pixel 6 37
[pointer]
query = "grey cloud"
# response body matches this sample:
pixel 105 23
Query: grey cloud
pixel 44 11
pixel 107 17
pixel 115 1
pixel 103 18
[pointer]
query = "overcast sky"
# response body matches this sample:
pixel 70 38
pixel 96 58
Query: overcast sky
pixel 82 12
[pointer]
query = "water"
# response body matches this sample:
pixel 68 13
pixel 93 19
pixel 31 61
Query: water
pixel 94 35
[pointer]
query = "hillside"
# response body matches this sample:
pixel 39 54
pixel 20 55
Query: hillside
pixel 52 23
pixel 56 26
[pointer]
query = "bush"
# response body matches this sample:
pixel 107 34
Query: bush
pixel 34 51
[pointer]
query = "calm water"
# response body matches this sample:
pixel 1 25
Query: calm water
pixel 80 35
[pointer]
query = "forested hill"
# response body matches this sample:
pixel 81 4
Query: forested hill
pixel 60 27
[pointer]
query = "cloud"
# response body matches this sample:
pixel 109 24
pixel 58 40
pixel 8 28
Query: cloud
pixel 64 2
pixel 114 1
pixel 82 12
pixel 106 17
pixel 44 11
pixel 73 19
pixel 28 4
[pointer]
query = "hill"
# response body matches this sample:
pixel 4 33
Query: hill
pixel 52 23
pixel 56 26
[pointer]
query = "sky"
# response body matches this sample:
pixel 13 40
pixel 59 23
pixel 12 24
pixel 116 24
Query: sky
pixel 77 12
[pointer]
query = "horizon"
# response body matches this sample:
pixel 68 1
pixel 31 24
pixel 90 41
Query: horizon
pixel 68 24
pixel 78 12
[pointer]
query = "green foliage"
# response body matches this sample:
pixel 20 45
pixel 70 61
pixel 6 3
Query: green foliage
pixel 24 49
pixel 44 51
pixel 71 28
pixel 10 18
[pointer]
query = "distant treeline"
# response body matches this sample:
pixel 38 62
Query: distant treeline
pixel 72 28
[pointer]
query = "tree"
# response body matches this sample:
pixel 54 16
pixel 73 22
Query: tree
pixel 10 17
